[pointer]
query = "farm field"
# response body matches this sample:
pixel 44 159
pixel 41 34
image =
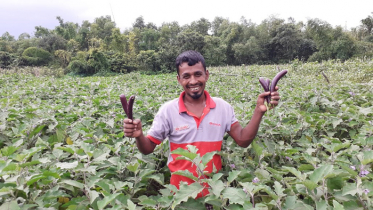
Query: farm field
pixel 62 145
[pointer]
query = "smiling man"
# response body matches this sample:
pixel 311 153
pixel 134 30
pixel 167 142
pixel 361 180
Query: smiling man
pixel 196 118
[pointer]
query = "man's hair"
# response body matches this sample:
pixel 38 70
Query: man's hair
pixel 191 57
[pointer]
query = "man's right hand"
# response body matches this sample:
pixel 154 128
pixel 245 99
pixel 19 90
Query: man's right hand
pixel 132 128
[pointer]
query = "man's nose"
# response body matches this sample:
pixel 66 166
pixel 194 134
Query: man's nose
pixel 193 80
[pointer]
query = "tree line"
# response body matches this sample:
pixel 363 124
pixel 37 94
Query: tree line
pixel 100 46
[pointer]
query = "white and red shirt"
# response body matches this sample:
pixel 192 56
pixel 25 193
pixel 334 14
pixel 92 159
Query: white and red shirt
pixel 183 128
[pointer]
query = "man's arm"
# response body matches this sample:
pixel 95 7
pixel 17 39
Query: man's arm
pixel 134 129
pixel 244 136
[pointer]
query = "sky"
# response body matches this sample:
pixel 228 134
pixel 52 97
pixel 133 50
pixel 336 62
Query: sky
pixel 19 16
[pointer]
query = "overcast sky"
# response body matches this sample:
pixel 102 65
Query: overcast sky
pixel 18 16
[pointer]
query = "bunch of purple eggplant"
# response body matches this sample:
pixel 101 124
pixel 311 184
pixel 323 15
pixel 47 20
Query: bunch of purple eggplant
pixel 127 107
pixel 269 85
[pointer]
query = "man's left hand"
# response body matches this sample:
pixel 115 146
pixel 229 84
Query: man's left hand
pixel 275 97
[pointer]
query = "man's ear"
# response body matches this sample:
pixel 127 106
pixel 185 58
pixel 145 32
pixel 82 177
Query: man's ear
pixel 207 74
pixel 178 78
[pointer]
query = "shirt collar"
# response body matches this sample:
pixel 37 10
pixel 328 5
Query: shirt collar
pixel 209 102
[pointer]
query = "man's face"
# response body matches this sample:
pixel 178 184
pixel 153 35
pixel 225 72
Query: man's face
pixel 193 79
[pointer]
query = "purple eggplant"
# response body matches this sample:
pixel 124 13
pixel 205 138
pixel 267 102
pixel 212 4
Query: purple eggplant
pixel 271 86
pixel 130 107
pixel 265 82
pixel 127 107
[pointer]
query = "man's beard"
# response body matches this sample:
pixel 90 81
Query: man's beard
pixel 196 95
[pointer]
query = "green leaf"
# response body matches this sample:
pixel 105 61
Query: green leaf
pixel 337 206
pixel 367 157
pixel 7 151
pixel 232 176
pixel 157 177
pixel 207 158
pixel 294 171
pixel 258 150
pixel 64 165
pixel 131 205
pixel 216 177
pixel 36 130
pixel 147 201
pixel 310 184
pixel 66 149
pixel 185 153
pixel 93 195
pixel 320 173
pixel 102 183
pixel 35 179
pixel 290 202
pixel 60 135
pixel 216 187
pixel 235 195
pixel 133 167
pixel 186 173
pixel 73 183
pixel 12 205
pixel 104 202
pixel 185 192
pixel 279 189
pixel 321 205
pixel 349 188
pixel 366 111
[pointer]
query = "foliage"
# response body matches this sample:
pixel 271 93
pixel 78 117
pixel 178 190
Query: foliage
pixel 62 144
pixel 221 41
pixel 63 56
pixel 34 56
pixel 148 60
pixel 121 63
pixel 6 59
pixel 52 43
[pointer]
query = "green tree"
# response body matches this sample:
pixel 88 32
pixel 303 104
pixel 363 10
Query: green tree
pixel 36 56
pixel 119 41
pixel 6 59
pixel 63 56
pixel 84 35
pixel 368 24
pixel 102 28
pixel 41 32
pixel 247 53
pixel 52 43
pixel 343 48
pixel 190 40
pixel 66 30
pixel 148 60
pixel 139 23
pixel 202 26
pixel 286 42
pixel 149 39
pixel 7 37
pixel 24 36
pixel 214 51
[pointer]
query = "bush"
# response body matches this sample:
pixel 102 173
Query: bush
pixel 89 63
pixel 121 63
pixel 77 67
pixel 34 56
pixel 6 59
pixel 149 60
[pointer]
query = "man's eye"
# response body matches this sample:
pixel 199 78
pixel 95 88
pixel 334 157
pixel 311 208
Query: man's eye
pixel 186 76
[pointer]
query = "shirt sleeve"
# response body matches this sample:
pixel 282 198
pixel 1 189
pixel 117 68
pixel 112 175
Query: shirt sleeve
pixel 160 128
pixel 231 117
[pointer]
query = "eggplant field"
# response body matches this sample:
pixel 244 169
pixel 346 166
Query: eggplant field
pixel 63 147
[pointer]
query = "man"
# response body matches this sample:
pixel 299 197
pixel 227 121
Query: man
pixel 196 118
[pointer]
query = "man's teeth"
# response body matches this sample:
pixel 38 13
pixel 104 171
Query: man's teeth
pixel 196 88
